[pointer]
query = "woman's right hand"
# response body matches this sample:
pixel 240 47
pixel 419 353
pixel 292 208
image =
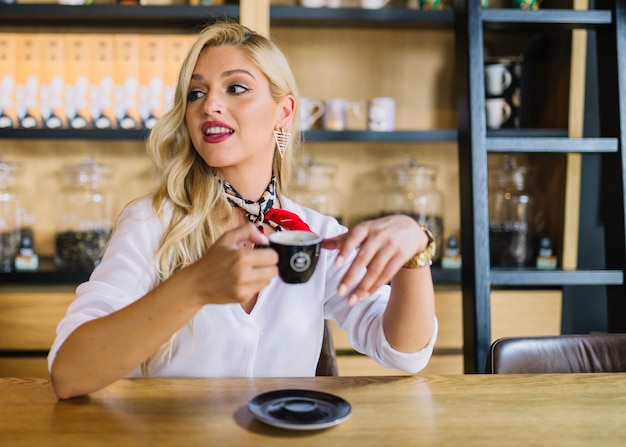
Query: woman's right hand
pixel 231 271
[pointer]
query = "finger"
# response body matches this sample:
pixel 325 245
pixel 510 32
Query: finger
pixel 372 282
pixel 347 242
pixel 264 256
pixel 244 233
pixel 359 263
pixel 333 243
pixel 253 271
pixel 379 264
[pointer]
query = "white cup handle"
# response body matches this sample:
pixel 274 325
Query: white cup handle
pixel 318 113
pixel 506 112
pixel 506 79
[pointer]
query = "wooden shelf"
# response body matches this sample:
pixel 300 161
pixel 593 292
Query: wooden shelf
pixel 359 17
pixel 441 135
pixel 554 278
pixel 551 144
pixel 192 16
pixel 47 274
pixel 541 140
pixel 120 16
pixel 408 136
pixel 511 19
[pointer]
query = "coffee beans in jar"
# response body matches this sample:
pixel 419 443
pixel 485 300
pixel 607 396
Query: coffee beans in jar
pixel 80 250
pixel 86 215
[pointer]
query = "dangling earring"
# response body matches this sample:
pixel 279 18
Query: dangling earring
pixel 282 138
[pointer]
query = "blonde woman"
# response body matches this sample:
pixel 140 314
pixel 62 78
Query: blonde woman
pixel 181 292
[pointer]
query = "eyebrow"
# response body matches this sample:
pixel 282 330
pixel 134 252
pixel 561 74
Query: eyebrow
pixel 197 76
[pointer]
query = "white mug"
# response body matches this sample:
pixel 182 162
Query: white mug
pixel 497 79
pixel 310 111
pixel 373 4
pixel 381 114
pixel 498 111
pixel 336 113
pixel 313 3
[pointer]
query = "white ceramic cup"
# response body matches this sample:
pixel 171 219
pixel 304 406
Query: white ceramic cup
pixel 381 114
pixel 310 111
pixel 336 113
pixel 498 111
pixel 313 3
pixel 373 4
pixel 497 79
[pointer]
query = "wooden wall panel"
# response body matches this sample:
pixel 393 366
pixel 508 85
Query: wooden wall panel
pixel 28 320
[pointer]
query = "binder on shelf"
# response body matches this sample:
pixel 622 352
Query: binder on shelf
pixel 77 81
pixel 101 81
pixel 28 81
pixel 175 48
pixel 51 102
pixel 126 87
pixel 151 75
pixel 8 74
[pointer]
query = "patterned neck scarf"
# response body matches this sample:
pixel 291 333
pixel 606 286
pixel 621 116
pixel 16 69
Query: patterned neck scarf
pixel 263 210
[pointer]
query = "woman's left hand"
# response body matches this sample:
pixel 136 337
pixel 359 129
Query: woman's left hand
pixel 384 245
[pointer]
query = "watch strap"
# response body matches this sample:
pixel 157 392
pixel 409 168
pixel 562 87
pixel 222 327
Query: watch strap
pixel 425 257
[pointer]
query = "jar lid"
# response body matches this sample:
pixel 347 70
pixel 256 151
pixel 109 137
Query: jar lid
pixel 512 174
pixel 311 172
pixel 410 171
pixel 87 173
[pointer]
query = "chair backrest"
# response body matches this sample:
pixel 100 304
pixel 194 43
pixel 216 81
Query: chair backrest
pixel 587 353
pixel 327 364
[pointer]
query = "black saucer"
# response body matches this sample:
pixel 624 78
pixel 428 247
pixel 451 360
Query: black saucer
pixel 300 409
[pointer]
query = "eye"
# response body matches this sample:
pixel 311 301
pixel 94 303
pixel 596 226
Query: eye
pixel 194 94
pixel 237 89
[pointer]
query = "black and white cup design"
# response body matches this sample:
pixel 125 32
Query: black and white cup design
pixel 298 252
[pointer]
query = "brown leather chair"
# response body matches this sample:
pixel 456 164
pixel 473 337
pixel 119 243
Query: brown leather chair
pixel 327 364
pixel 588 353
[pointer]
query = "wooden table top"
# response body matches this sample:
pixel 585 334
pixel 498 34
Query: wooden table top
pixel 458 410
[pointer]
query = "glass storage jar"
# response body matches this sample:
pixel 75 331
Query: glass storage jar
pixel 85 220
pixel 10 210
pixel 410 189
pixel 313 185
pixel 515 217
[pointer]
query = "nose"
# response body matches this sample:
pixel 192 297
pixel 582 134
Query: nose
pixel 213 103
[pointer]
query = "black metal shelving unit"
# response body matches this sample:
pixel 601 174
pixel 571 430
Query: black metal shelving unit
pixel 477 277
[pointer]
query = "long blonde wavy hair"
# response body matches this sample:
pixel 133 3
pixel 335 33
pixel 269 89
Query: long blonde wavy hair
pixel 188 196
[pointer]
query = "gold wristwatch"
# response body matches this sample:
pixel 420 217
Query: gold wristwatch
pixel 425 257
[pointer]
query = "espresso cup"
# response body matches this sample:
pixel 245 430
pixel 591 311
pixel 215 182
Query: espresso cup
pixel 373 4
pixel 336 113
pixel 298 252
pixel 498 111
pixel 313 3
pixel 381 114
pixel 498 78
